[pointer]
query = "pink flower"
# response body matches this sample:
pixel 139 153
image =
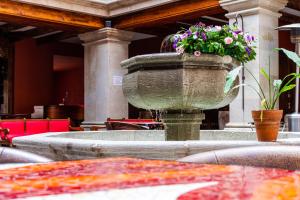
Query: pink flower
pixel 197 53
pixel 180 49
pixel 228 40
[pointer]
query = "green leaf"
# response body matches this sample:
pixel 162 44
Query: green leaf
pixel 287 88
pixel 291 55
pixel 230 78
pixel 265 74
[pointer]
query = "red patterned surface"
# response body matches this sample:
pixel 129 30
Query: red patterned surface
pixel 114 173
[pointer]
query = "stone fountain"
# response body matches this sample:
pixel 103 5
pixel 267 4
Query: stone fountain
pixel 179 85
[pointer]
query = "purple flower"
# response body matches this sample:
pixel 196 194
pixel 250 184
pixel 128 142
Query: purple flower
pixel 237 31
pixel 174 45
pixel 248 50
pixel 189 32
pixel 183 36
pixel 203 36
pixel 248 38
pixel 176 39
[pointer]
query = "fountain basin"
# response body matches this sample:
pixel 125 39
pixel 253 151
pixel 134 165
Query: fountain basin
pixel 141 144
pixel 172 81
pixel 181 85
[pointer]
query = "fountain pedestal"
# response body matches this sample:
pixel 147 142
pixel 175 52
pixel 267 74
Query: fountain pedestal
pixel 182 125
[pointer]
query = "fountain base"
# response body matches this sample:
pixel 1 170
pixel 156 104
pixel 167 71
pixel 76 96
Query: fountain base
pixel 182 125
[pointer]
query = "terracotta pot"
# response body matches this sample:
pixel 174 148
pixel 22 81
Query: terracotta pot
pixel 267 127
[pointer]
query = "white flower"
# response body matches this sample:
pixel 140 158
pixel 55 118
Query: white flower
pixel 228 40
pixel 208 29
pixel 218 28
pixel 195 36
pixel 180 49
pixel 197 53
pixel 277 83
pixel 176 36
pixel 235 35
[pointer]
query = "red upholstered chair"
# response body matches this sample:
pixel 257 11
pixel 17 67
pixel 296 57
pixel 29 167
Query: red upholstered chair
pixel 59 125
pixel 14 128
pixel 36 126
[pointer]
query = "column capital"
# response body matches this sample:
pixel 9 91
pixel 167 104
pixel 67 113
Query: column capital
pixel 107 33
pixel 250 7
pixel 111 34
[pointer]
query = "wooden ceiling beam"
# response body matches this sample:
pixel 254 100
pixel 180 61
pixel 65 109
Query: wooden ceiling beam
pixel 10 10
pixel 186 9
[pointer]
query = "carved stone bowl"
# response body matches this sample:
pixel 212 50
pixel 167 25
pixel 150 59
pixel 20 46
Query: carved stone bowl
pixel 179 84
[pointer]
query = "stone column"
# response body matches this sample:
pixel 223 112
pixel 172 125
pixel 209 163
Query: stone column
pixel 260 19
pixel 104 49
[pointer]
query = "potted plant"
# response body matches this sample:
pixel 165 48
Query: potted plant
pixel 267 120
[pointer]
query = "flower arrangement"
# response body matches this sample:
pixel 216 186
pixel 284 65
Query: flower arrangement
pixel 218 40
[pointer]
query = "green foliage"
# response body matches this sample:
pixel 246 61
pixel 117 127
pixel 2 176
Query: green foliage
pixel 291 55
pixel 277 88
pixel 225 40
pixel 231 77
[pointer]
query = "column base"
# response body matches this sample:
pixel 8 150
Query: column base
pixel 90 125
pixel 182 125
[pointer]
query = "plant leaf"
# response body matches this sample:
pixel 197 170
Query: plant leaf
pixel 230 78
pixel 261 115
pixel 292 55
pixel 265 74
pixel 287 88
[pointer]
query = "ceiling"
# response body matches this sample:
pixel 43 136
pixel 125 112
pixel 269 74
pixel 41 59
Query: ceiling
pixel 19 28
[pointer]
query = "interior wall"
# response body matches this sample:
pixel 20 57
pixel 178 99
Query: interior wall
pixel 145 46
pixel 33 72
pixel 70 86
pixel 286 66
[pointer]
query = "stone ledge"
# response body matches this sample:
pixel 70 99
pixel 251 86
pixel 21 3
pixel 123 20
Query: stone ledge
pixel 58 146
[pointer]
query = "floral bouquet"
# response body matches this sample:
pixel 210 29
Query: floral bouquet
pixel 219 40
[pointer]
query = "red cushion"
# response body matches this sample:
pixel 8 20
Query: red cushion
pixel 16 127
pixel 36 126
pixel 60 125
